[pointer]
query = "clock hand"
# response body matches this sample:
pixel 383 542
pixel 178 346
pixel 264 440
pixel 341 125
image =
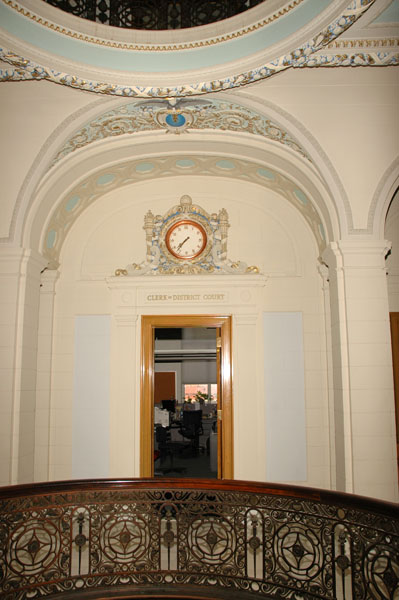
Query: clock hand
pixel 181 243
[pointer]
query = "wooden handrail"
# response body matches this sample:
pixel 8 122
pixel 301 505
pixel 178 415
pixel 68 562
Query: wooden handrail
pixel 291 491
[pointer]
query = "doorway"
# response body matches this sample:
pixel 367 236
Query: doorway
pixel 394 320
pixel 197 423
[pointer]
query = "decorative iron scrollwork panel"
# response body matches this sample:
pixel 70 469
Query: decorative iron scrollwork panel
pixel 154 14
pixel 86 9
pixel 38 549
pixel 239 542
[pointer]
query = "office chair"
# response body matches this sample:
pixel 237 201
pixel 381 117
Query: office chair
pixel 167 447
pixel 191 428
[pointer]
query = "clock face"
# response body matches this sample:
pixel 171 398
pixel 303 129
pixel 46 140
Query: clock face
pixel 186 239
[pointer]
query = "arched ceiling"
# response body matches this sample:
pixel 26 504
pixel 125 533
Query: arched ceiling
pixel 88 189
pixel 41 42
pixel 206 137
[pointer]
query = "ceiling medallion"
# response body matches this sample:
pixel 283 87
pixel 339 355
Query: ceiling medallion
pixel 174 121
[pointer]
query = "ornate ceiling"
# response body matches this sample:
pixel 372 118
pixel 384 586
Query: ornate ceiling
pixel 176 118
pixel 158 69
pixel 39 41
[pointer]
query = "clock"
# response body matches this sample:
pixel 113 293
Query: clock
pixel 186 239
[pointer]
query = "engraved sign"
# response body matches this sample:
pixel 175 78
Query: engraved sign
pixel 202 297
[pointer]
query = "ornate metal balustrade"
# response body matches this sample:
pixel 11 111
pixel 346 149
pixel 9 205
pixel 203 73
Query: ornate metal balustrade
pixel 154 14
pixel 195 539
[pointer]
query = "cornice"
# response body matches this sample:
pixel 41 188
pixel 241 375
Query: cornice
pixel 365 43
pixel 301 56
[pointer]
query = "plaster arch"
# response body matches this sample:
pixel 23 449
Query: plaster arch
pixel 268 164
pixel 236 112
pixel 340 210
pixel 265 171
pixel 383 195
pixel 291 136
pixel 41 165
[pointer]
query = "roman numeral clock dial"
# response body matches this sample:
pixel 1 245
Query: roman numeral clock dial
pixel 186 239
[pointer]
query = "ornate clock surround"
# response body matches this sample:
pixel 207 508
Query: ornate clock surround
pixel 211 257
pixel 157 228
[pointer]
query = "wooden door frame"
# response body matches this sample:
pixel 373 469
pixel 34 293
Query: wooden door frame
pixel 394 322
pixel 148 324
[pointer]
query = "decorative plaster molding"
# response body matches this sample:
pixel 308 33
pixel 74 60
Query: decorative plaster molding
pixel 91 188
pixel 317 155
pixel 382 198
pixel 352 59
pixel 246 320
pixel 48 280
pixel 178 118
pixel 358 254
pixel 287 122
pixel 151 47
pixel 364 43
pixel 168 291
pixel 37 169
pixel 212 257
pixel 24 69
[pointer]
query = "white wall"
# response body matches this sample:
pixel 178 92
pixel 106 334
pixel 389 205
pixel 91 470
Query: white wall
pixel 266 231
pixel 90 420
pixel 343 117
pixel 285 397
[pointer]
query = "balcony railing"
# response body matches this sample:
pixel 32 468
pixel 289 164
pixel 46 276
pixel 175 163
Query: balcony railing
pixel 195 539
pixel 154 14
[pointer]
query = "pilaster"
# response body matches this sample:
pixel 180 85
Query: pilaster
pixel 362 367
pixel 20 282
pixel 249 409
pixel 335 472
pixel 124 408
pixel 43 382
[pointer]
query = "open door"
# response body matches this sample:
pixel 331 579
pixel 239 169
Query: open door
pixel 223 412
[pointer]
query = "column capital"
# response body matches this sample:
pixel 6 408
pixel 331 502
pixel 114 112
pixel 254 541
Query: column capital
pixel 246 319
pixel 357 253
pixel 126 320
pixel 14 259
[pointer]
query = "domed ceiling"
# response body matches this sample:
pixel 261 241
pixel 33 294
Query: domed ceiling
pixel 38 41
